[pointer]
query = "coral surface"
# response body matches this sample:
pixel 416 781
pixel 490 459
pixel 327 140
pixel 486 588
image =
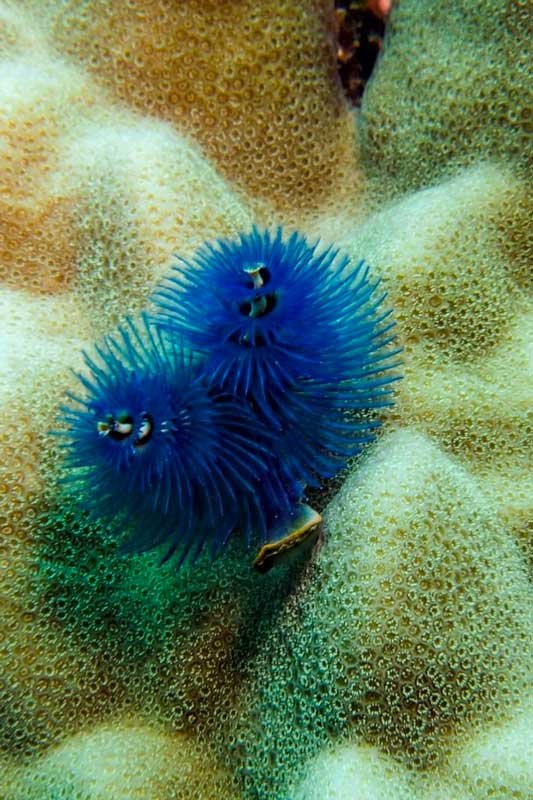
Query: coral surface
pixel 394 659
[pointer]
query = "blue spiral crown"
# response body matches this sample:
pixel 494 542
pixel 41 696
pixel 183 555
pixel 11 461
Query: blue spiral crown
pixel 152 447
pixel 298 333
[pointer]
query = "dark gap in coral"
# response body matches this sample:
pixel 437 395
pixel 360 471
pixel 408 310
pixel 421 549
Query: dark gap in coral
pixel 360 28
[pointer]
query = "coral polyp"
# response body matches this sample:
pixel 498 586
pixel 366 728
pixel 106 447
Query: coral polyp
pixel 151 446
pixel 294 330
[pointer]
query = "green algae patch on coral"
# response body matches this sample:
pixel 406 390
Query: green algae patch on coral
pixel 172 644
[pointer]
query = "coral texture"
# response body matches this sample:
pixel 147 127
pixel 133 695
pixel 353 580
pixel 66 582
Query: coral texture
pixel 397 658
pixel 475 57
pixel 240 78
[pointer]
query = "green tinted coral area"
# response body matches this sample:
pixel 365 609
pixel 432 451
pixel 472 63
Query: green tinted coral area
pixel 452 88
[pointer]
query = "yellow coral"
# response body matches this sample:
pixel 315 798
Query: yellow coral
pixel 132 131
pixel 241 81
